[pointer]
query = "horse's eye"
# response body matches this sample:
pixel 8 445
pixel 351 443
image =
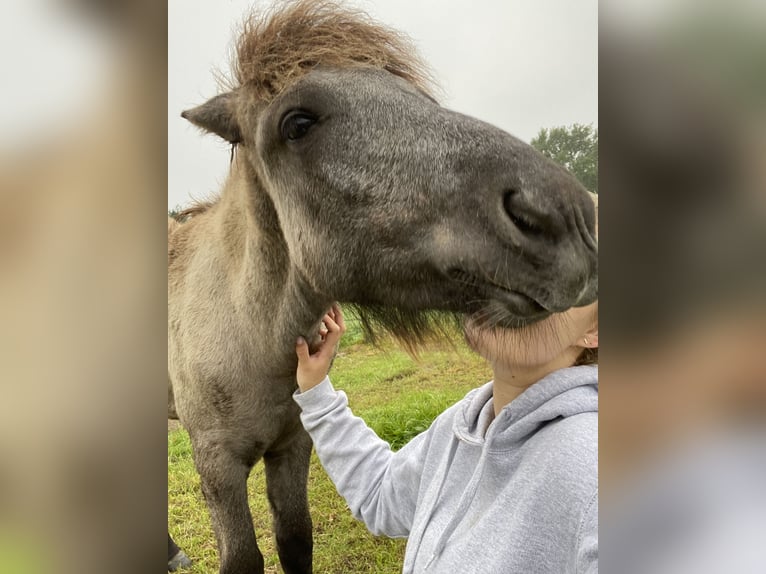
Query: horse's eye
pixel 296 124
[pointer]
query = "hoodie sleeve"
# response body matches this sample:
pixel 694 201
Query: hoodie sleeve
pixel 380 486
pixel 587 539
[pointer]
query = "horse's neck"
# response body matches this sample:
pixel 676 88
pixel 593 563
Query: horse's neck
pixel 250 233
pixel 266 286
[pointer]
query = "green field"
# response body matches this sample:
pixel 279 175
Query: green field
pixel 396 395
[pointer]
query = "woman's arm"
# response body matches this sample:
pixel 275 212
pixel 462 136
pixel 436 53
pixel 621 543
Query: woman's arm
pixel 380 487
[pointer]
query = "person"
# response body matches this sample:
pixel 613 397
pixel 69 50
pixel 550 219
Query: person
pixel 504 481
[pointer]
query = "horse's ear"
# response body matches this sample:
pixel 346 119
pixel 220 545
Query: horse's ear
pixel 217 116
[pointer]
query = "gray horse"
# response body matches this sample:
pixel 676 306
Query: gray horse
pixel 349 182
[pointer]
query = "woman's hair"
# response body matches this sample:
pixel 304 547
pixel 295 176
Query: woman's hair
pixel 587 357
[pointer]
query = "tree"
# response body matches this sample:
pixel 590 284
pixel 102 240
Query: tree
pixel 574 147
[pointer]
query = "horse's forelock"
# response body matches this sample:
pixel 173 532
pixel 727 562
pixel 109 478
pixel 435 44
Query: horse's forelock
pixel 276 48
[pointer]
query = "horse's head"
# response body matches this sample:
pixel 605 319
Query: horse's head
pixel 388 200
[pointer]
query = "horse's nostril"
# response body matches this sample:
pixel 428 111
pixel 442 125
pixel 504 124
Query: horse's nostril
pixel 520 217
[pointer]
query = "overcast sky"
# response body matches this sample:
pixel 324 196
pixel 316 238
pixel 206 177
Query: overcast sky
pixel 520 65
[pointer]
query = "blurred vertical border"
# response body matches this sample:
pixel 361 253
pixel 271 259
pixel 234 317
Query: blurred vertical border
pixel 682 102
pixel 83 286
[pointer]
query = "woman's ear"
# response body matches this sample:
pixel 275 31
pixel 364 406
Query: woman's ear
pixel 589 340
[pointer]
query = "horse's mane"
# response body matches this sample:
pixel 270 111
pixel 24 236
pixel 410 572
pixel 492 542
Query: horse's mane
pixel 277 47
pixel 196 208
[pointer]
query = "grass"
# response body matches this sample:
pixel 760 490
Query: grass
pixel 396 395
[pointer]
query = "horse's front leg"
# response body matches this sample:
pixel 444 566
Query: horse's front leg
pixel 287 472
pixel 223 474
pixel 177 558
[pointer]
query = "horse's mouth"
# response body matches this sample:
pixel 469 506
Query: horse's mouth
pixel 521 303
pixel 503 306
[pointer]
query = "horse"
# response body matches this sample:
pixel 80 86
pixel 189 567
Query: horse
pixel 348 182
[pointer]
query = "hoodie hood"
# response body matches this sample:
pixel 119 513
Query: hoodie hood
pixel 563 393
pixel 560 394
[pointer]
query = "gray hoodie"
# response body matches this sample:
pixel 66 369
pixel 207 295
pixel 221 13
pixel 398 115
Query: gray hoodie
pixel 476 494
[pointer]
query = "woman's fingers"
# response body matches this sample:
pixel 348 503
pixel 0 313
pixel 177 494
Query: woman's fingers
pixel 302 349
pixel 330 323
pixel 334 335
pixel 338 316
pixel 330 341
pixel 330 333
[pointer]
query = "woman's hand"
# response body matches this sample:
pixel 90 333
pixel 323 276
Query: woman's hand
pixel 312 369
